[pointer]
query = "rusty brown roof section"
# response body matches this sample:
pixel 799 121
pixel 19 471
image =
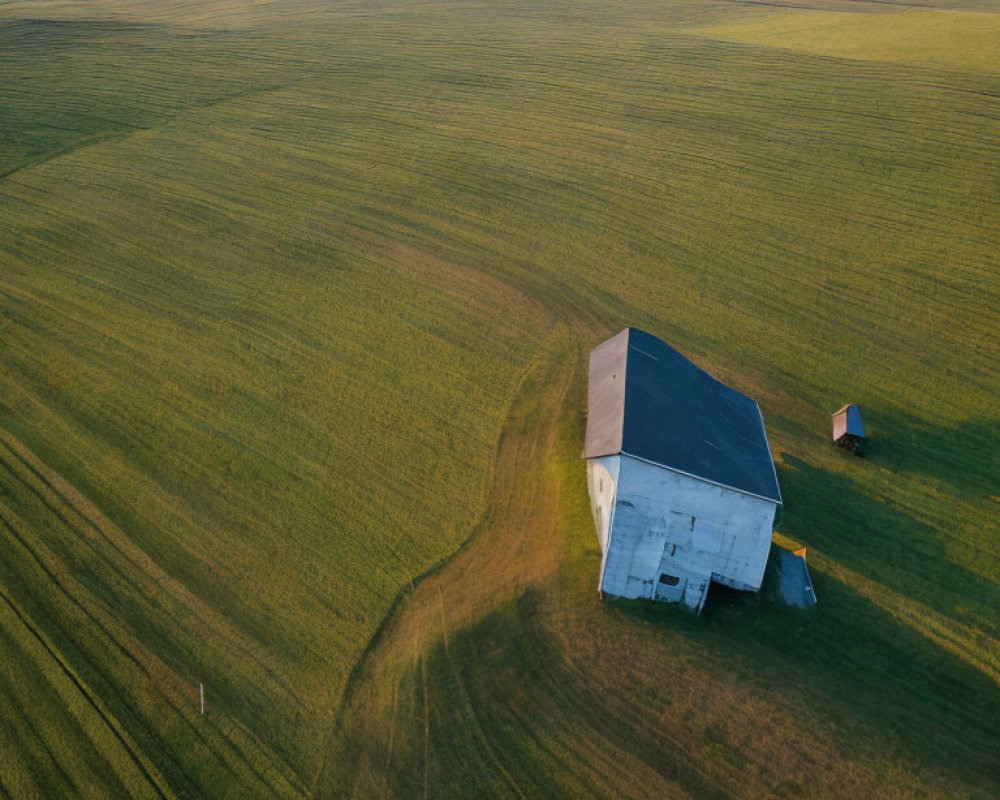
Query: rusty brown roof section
pixel 606 397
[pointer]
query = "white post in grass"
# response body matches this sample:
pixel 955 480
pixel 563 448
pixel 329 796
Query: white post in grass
pixel 201 691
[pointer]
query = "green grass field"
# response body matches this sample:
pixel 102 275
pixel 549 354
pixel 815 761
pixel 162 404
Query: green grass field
pixel 295 305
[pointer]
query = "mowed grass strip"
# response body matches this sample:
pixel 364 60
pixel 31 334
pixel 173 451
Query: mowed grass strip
pixel 189 534
pixel 272 333
pixel 109 600
pixel 176 341
pixel 76 750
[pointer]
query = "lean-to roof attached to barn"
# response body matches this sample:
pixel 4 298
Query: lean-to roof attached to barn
pixel 646 400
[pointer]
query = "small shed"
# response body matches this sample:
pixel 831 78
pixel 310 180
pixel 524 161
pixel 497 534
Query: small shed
pixel 848 429
pixel 681 481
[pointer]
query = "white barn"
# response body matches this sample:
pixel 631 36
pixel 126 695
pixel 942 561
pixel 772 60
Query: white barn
pixel 682 485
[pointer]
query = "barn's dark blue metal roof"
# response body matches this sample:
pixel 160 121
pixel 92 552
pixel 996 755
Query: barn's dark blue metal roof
pixel 645 399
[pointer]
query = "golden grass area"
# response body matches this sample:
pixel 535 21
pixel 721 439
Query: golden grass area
pixel 295 307
pixel 953 40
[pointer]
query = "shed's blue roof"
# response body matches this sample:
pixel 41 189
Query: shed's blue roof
pixel 645 399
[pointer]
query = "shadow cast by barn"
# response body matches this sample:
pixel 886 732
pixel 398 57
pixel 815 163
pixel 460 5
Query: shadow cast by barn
pixel 868 535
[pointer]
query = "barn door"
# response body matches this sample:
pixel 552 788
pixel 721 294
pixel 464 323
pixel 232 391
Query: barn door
pixel 645 558
pixel 669 582
pixel 669 585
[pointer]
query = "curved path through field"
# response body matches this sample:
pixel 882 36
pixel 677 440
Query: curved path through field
pixel 501 673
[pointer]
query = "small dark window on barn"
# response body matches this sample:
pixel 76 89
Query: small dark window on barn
pixel 669 580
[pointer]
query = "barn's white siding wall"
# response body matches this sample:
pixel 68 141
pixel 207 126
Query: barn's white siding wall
pixel 665 523
pixel 602 480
